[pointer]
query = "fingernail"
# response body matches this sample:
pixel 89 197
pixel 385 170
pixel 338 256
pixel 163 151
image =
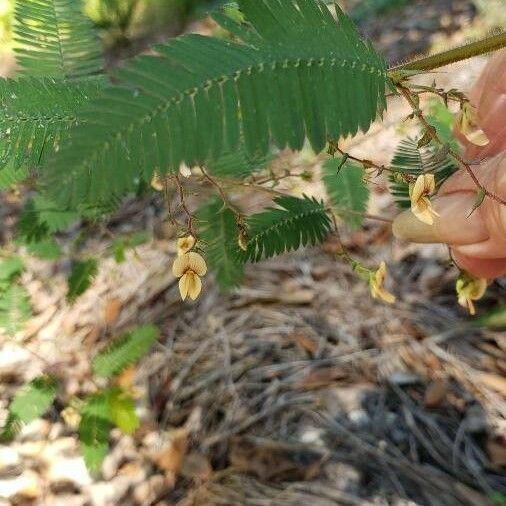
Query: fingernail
pixel 408 227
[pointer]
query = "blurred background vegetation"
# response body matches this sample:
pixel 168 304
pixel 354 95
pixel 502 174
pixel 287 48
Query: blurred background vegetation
pixel 129 26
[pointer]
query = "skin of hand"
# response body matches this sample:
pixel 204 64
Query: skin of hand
pixel 477 241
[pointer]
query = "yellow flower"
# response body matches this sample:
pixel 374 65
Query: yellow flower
pixel 157 182
pixel 467 121
pixel 420 203
pixel 185 244
pixel 71 416
pixel 376 283
pixel 184 170
pixel 189 268
pixel 470 289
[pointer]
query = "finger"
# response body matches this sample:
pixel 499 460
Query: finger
pixel 453 225
pixel 490 268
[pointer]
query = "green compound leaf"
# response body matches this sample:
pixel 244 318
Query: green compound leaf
pixel 122 411
pixel 195 98
pixel 81 278
pixel 296 222
pixel 55 39
pixel 29 403
pixel 125 351
pixel 15 309
pixel 346 189
pixel 94 430
pixel 218 230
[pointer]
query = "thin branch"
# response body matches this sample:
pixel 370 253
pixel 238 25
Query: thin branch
pixel 435 61
pixel 433 134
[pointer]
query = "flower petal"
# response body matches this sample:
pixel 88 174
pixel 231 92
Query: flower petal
pixel 184 284
pixel 417 190
pixel 196 263
pixel 195 286
pixel 180 266
pixel 185 244
pixel 184 170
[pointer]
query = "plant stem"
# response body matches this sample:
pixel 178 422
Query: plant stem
pixel 435 61
pixel 432 132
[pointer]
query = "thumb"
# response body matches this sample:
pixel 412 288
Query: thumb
pixel 452 226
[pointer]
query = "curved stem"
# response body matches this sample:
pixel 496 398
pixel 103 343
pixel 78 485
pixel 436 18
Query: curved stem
pixel 432 132
pixel 435 61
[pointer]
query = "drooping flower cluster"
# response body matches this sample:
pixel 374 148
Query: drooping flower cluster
pixel 470 289
pixel 467 121
pixel 189 267
pixel 419 192
pixel 377 282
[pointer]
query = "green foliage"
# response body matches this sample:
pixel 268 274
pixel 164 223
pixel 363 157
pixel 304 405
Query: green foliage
pixel 55 39
pixel 36 114
pixel 124 351
pixel 442 119
pixel 29 403
pixel 196 97
pixel 94 430
pixel 81 277
pixel 10 269
pixel 122 411
pixel 9 175
pixel 411 160
pixel 218 230
pixel 296 222
pixel 498 499
pixel 47 249
pixel 346 189
pixel 237 165
pixel 121 244
pixel 494 319
pixel 15 308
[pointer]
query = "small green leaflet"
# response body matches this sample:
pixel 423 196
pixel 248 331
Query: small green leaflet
pixel 15 309
pixel 47 249
pixel 94 430
pixel 29 403
pixel 10 269
pixel 81 277
pixel 122 411
pixel 121 244
pixel 124 351
pixel 296 222
pixel 346 189
pixel 218 231
pixel 478 201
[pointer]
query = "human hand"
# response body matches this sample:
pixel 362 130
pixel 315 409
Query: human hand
pixel 477 240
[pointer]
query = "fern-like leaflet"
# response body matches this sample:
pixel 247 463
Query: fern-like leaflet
pixel 29 403
pixel 36 114
pixel 294 223
pixel 346 189
pixel 298 73
pixel 124 351
pixel 218 230
pixel 54 39
pixel 411 160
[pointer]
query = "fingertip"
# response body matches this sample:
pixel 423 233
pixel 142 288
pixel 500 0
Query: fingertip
pixel 481 268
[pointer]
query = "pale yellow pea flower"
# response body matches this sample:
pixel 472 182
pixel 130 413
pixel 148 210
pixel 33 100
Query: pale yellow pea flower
pixel 376 284
pixel 470 289
pixel 189 268
pixel 71 416
pixel 157 182
pixel 184 170
pixel 185 244
pixel 419 192
pixel 467 121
